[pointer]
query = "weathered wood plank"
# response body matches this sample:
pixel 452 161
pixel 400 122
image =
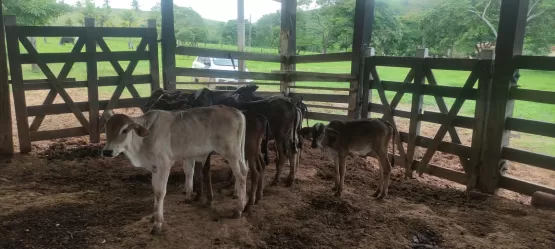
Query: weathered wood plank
pixel 537 96
pixel 71 83
pixel 378 108
pixel 430 90
pixel 450 117
pixel 212 73
pixel 55 134
pixel 168 44
pixel 333 98
pixel 16 73
pixel 54 109
pixel 446 147
pixel 320 58
pixel 450 64
pixel 510 42
pixel 153 56
pixel 326 116
pixel 42 31
pixel 399 95
pixel 6 133
pixel 121 32
pixel 392 61
pixel 62 75
pixel 327 107
pixel 438 118
pixel 531 127
pixel 522 186
pixel 529 158
pixel 226 83
pixel 416 108
pixel 92 80
pixel 322 88
pixel 226 54
pixel 535 62
pixel 319 77
pixel 388 114
pixel 288 41
pixel 83 57
pixel 480 117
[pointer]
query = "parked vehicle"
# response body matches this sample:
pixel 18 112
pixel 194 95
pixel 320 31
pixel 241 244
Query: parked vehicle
pixel 217 64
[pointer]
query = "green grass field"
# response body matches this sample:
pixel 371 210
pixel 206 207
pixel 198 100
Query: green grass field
pixel 538 80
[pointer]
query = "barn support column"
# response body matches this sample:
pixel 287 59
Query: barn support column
pixel 6 133
pixel 512 24
pixel 288 41
pixel 168 45
pixel 362 33
pixel 241 33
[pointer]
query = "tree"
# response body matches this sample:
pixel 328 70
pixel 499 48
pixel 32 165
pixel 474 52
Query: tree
pixel 34 13
pixel 105 12
pixel 471 25
pixel 69 22
pixel 135 6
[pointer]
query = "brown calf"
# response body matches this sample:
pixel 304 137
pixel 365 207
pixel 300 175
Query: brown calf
pixel 363 137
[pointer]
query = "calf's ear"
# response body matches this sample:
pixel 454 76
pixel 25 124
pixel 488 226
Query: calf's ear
pixel 140 130
pixel 332 135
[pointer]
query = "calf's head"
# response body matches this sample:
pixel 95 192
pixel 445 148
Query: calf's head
pixel 119 132
pixel 316 133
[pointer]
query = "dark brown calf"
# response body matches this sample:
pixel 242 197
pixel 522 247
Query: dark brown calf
pixel 363 137
pixel 256 128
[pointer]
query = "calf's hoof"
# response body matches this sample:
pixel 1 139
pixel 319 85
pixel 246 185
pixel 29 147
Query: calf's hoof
pixel 380 197
pixel 274 183
pixel 156 230
pixel 289 182
pixel 236 215
pixel 337 194
pixel 376 194
pixel 334 188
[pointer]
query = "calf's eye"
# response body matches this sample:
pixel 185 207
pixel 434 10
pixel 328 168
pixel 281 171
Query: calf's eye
pixel 124 131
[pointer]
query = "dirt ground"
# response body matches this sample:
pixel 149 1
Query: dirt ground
pixel 63 195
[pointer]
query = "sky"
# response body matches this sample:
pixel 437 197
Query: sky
pixel 220 10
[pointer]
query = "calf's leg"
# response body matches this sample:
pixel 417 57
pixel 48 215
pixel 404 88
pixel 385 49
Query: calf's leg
pixel 260 189
pixel 159 184
pixel 342 171
pixel 385 169
pixel 189 169
pixel 240 172
pixel 281 161
pixel 252 161
pixel 207 179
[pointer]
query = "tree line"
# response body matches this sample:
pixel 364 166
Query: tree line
pixel 453 28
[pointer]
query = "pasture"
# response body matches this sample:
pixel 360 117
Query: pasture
pixel 63 195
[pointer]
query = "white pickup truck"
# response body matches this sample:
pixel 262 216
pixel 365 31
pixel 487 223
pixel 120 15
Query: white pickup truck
pixel 217 64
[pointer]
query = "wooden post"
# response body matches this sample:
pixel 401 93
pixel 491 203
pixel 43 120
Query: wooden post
pixel 288 40
pixel 366 90
pixel 168 45
pixel 510 40
pixel 241 33
pixel 153 56
pixel 20 104
pixel 362 33
pixel 92 81
pixel 6 133
pixel 479 135
pixel 416 110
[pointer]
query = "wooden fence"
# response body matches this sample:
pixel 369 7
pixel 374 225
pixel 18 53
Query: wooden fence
pixel 286 78
pixel 89 37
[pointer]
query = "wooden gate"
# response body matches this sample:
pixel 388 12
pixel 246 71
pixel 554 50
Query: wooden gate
pixel 420 73
pixel 89 37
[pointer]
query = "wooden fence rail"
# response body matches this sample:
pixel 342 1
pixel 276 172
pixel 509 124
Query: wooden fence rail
pixel 89 37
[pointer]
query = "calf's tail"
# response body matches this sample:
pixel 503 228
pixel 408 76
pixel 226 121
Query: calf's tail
pixel 394 132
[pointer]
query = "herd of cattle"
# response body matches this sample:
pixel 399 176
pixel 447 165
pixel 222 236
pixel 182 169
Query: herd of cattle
pixel 236 125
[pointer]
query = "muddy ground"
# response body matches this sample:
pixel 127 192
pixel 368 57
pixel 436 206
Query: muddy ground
pixel 65 196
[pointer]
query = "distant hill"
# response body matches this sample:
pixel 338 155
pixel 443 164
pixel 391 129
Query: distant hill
pixel 117 21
